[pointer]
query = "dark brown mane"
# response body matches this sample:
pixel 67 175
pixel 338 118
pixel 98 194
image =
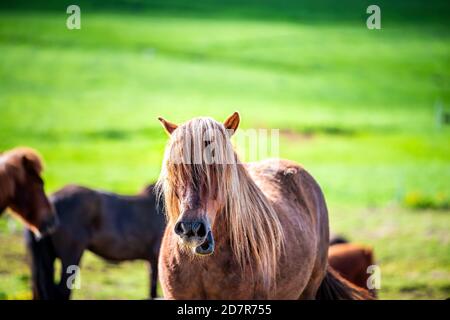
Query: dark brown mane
pixel 12 170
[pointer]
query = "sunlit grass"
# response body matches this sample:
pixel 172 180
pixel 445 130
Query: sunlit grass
pixel 355 107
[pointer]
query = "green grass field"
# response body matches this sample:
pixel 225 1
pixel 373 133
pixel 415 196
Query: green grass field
pixel 356 107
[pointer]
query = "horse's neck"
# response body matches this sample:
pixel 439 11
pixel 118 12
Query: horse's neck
pixel 223 256
pixel 222 272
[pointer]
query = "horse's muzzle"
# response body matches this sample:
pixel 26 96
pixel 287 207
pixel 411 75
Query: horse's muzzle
pixel 196 234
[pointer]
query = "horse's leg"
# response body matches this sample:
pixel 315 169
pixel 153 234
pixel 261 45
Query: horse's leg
pixel 69 265
pixel 154 275
pixel 42 258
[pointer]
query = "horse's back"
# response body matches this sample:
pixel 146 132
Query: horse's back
pixel 101 209
pixel 133 216
pixel 113 226
pixel 76 205
pixel 287 184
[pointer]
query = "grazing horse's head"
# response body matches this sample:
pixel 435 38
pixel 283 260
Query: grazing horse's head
pixel 22 189
pixel 197 174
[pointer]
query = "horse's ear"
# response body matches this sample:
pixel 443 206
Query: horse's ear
pixel 168 126
pixel 232 123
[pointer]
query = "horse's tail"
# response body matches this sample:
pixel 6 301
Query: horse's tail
pixel 42 257
pixel 334 287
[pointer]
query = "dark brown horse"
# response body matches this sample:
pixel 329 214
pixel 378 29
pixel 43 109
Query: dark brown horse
pixel 22 189
pixel 241 231
pixel 115 227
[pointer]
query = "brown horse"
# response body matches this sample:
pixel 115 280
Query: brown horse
pixel 22 189
pixel 241 231
pixel 352 261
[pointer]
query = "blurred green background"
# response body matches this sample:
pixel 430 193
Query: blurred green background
pixel 363 110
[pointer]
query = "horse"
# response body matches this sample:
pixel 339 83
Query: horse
pixel 241 230
pixel 22 190
pixel 114 227
pixel 352 261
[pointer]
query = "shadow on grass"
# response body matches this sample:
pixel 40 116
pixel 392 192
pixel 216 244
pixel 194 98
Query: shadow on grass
pixel 422 290
pixel 107 134
pixel 311 131
pixel 324 11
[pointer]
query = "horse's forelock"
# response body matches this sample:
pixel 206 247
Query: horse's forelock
pixel 12 169
pixel 16 156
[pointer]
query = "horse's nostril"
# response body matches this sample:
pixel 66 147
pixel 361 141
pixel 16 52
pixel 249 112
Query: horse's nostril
pixel 179 229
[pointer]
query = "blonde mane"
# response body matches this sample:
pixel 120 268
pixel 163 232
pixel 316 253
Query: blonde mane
pixel 12 170
pixel 256 235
